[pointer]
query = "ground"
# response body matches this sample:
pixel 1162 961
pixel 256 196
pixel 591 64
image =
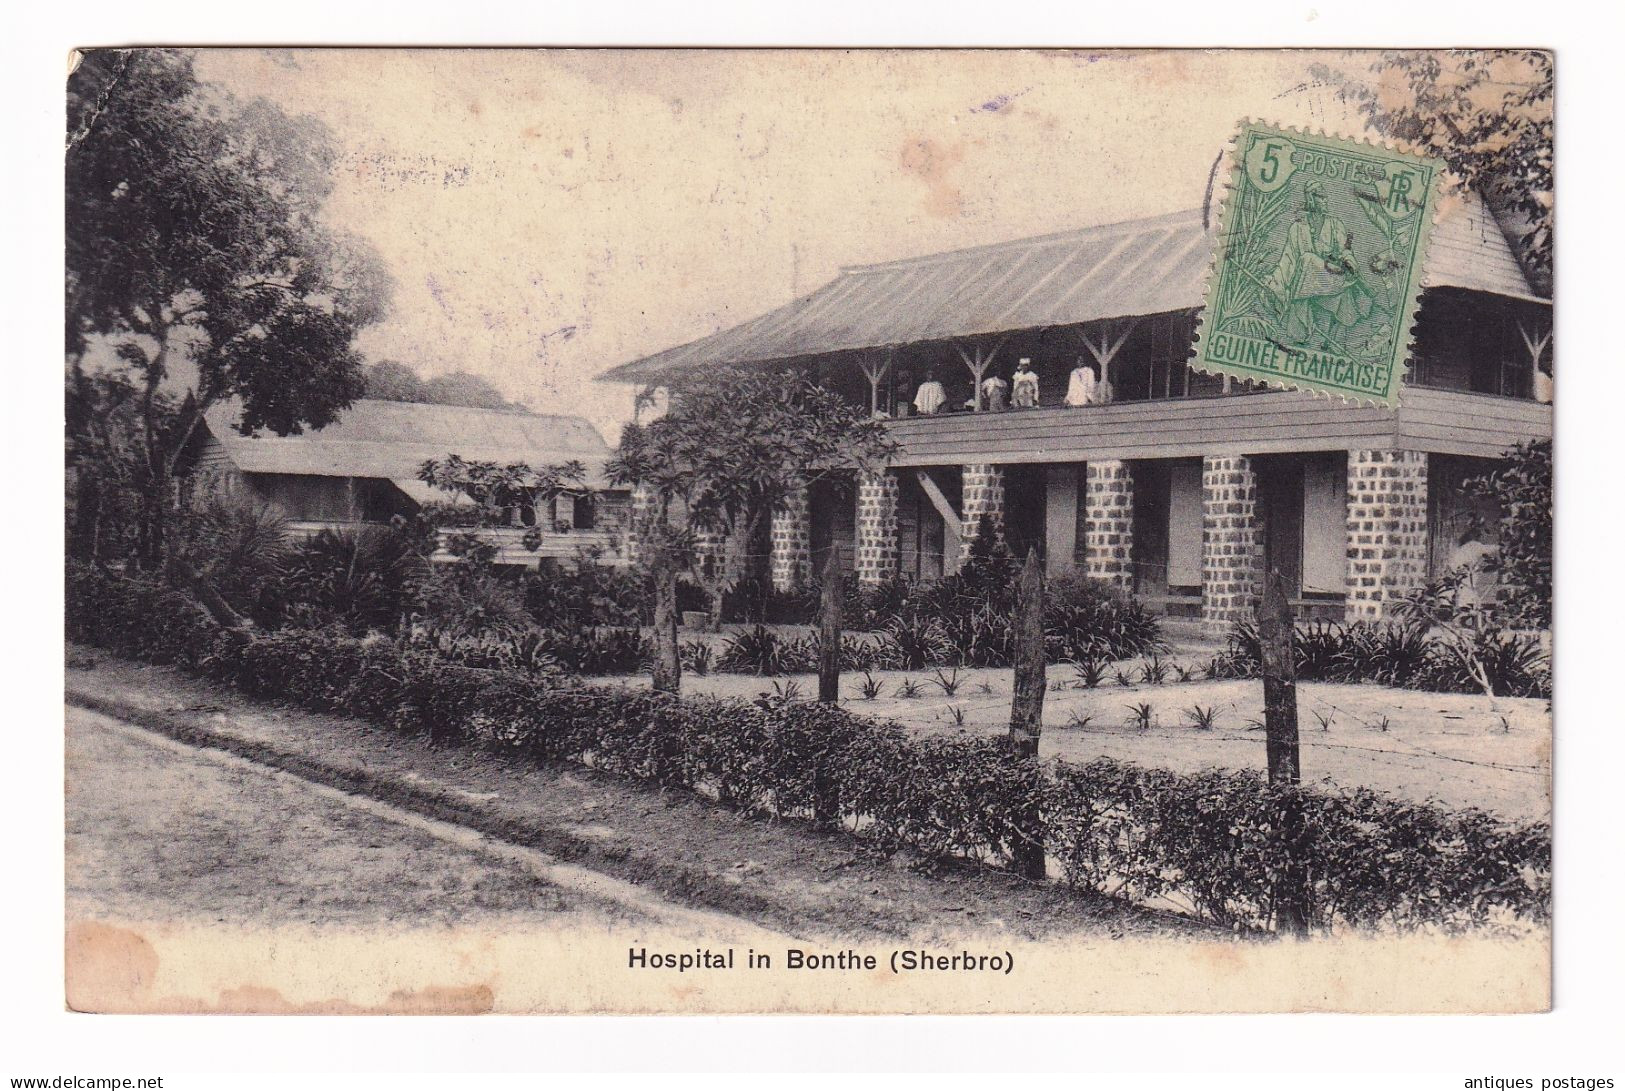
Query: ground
pixel 161 832
pixel 155 832
pixel 1461 749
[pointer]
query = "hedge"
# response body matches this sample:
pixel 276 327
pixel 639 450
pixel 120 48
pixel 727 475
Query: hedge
pixel 1208 840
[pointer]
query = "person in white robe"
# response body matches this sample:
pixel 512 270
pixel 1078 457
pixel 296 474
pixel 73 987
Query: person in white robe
pixel 930 396
pixel 1082 388
pixel 1024 386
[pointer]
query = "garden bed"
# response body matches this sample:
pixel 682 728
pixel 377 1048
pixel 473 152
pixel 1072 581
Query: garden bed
pixel 1450 747
pixel 1215 841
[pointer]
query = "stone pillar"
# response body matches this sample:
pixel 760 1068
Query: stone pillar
pixel 981 493
pixel 1232 542
pixel 876 554
pixel 790 537
pixel 1108 514
pixel 1387 531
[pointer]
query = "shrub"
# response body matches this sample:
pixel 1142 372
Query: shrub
pixel 697 657
pixel 757 650
pixel 471 601
pixel 586 650
pixel 1214 840
pixel 1400 653
pixel 585 593
pixel 911 640
pixel 1086 619
pixel 1211 840
pixel 357 579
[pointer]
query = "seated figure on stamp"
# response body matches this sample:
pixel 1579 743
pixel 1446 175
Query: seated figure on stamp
pixel 1024 386
pixel 1318 291
pixel 1082 388
pixel 930 396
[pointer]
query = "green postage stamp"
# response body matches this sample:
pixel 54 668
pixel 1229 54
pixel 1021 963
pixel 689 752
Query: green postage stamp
pixel 1318 264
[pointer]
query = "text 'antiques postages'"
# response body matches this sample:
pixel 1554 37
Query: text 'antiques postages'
pixel 1318 264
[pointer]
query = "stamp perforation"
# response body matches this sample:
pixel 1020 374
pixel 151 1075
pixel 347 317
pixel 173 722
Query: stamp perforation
pixel 1223 214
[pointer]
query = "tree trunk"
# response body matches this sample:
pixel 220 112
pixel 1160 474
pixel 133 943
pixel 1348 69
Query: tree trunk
pixel 713 622
pixel 1279 668
pixel 154 499
pixel 221 610
pixel 154 534
pixel 668 665
pixel 829 632
pixel 1027 711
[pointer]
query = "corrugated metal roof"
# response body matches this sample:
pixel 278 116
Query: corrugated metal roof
pixel 392 439
pixel 1121 270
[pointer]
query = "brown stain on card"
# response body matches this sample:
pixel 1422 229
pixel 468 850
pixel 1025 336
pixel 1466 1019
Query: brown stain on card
pixel 930 161
pixel 430 1000
pixel 108 968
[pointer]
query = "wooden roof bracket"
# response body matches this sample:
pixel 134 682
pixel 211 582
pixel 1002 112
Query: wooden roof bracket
pixel 1105 352
pixel 875 372
pixel 978 362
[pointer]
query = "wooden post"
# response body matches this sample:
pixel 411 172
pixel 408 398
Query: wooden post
pixel 829 632
pixel 1279 668
pixel 1027 709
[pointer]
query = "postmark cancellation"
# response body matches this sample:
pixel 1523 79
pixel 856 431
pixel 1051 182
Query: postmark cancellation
pixel 1318 267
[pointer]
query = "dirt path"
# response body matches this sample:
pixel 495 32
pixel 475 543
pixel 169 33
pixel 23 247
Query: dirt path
pixel 161 831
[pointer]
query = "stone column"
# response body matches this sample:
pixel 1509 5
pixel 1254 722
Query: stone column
pixel 1232 543
pixel 1108 514
pixel 1387 531
pixel 876 554
pixel 790 537
pixel 981 493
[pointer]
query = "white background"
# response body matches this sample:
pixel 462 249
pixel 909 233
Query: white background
pixel 1579 1039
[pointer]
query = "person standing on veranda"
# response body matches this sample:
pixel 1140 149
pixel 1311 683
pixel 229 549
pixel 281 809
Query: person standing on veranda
pixel 1024 386
pixel 1083 388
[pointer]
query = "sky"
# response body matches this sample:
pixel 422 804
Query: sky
pixel 547 215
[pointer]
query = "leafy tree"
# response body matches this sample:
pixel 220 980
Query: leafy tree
pixel 464 388
pixel 490 494
pixel 198 266
pixel 393 381
pixel 721 459
pixel 104 487
pixel 1522 486
pixel 1486 112
pixel 470 597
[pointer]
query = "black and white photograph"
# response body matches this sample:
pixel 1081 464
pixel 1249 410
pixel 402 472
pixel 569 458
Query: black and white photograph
pixel 697 531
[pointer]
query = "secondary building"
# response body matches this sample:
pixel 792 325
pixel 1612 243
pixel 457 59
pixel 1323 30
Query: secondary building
pixel 363 470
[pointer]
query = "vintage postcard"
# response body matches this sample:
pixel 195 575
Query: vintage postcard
pixel 831 531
